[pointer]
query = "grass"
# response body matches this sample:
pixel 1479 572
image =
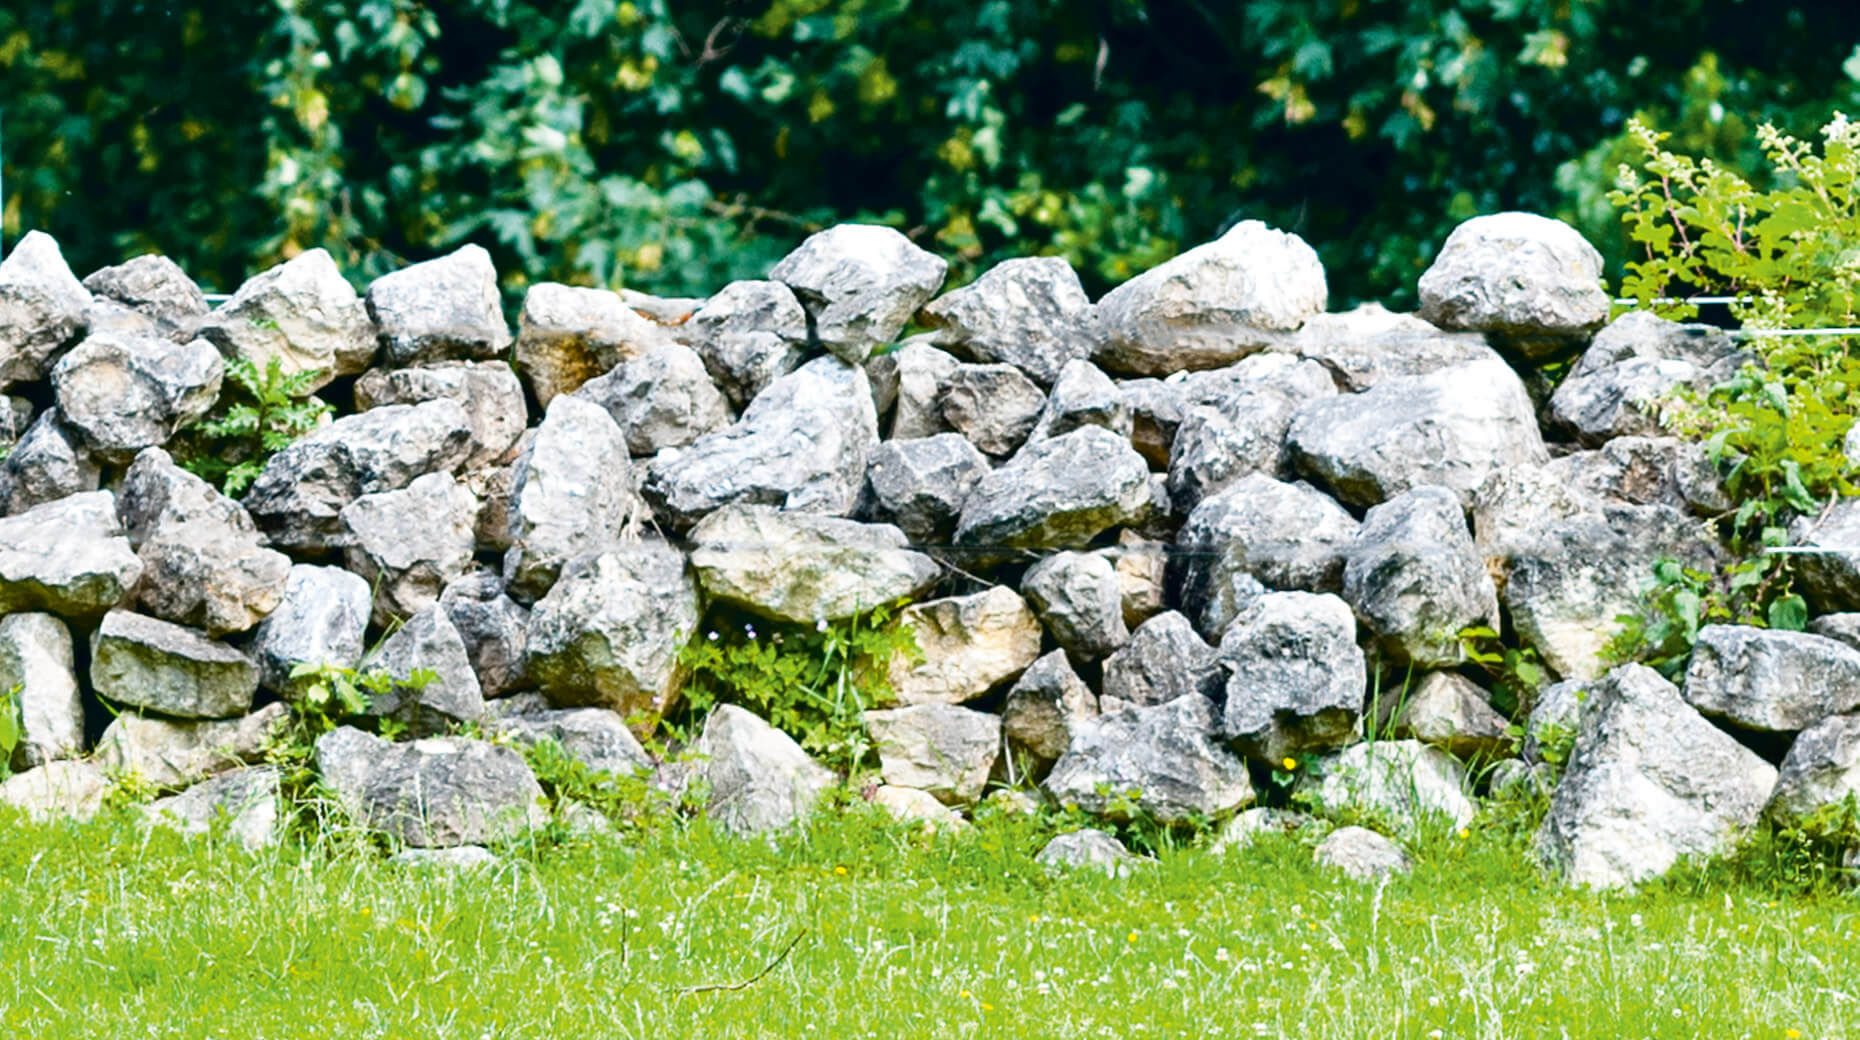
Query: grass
pixel 112 932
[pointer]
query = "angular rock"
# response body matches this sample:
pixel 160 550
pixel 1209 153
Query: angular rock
pixel 434 793
pixel 1819 774
pixel 594 737
pixel 1829 578
pixel 1451 713
pixel 303 313
pixel 1243 429
pixel 1361 854
pixel 994 406
pixel 408 544
pixel 1249 825
pixel 939 748
pixel 859 284
pixel 750 334
pixel 1088 849
pixel 1212 305
pixel 1295 677
pixel 121 394
pixel 920 484
pixel 67 557
pixel 488 391
pixel 805 568
pixel 1649 781
pixel 243 806
pixel 567 336
pixel 1769 680
pixel 970 645
pixel 1550 730
pixel 1287 536
pixel 1059 493
pixel 1079 600
pixel 802 444
pixel 321 619
pixel 1369 344
pixel 166 755
pixel 1161 761
pixel 494 628
pixel 36 665
pixel 1155 416
pixel 46 465
pixel 1045 707
pixel 1164 659
pixel 445 309
pixel 757 778
pixel 911 806
pixel 1454 427
pixel 1031 313
pixel 572 493
pixel 165 668
pixel 426 643
pixel 609 632
pixel 41 308
pixel 661 399
pixel 492 487
pixel 1531 282
pixel 1842 627
pixel 297 501
pixel 1083 396
pixel 157 290
pixel 1636 363
pixel 66 789
pixel 1416 580
pixel 1405 783
pixel 908 383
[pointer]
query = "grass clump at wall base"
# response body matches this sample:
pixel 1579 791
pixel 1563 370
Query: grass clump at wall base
pixel 854 927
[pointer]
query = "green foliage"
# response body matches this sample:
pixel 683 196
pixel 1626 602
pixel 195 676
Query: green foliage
pixel 812 682
pixel 1808 858
pixel 10 730
pixel 630 801
pixel 1680 600
pixel 335 693
pixel 1516 672
pixel 256 417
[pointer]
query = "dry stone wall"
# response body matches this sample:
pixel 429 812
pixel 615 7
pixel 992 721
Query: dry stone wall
pixel 1155 546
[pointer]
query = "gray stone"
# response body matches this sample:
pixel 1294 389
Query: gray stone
pixel 1769 680
pixel 157 290
pixel 1045 707
pixel 1516 780
pixel 1295 677
pixel 1818 775
pixel 1058 494
pixel 568 335
pixel 609 632
pixel 1242 430
pixel 166 755
pixel 1829 578
pixel 1155 416
pixel 67 789
pixel 594 737
pixel 1142 571
pixel 1649 781
pixel 1634 365
pixel 242 806
pixel 488 391
pixel 859 283
pixel 920 484
pixel 408 544
pixel 802 444
pixel 121 394
pixel 939 748
pixel 1079 600
pixel 908 805
pixel 572 493
pixel 492 488
pixel 1031 313
pixel 1361 854
pixel 1454 427
pixel 302 313
pixel 433 793
pixel 908 383
pixel 67 557
pixel 1451 713
pixel 297 500
pixel 1532 282
pixel 1404 783
pixel 1369 344
pixel 427 643
pixel 494 628
pixel 1250 825
pixel 1088 849
pixel 1162 761
pixel 1083 396
pixel 673 312
pixel 970 645
pixel 661 399
pixel 750 334
pixel 805 568
pixel 321 619
pixel 1164 659
pixel 41 308
pixel 36 665
pixel 1212 305
pixel 166 668
pixel 1416 580
pixel 445 309
pixel 1287 536
pixel 756 777
pixel 46 465
pixel 994 406
pixel 1550 729
pixel 1844 627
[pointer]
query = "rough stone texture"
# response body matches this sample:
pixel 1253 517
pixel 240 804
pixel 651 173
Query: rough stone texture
pixel 1843 627
pixel 1155 416
pixel 1295 676
pixel 970 644
pixel 1142 570
pixel 595 737
pixel 242 806
pixel 1166 754
pixel 608 633
pixel 1088 849
pixel 321 618
pixel 121 394
pixel 1829 580
pixel 409 543
pixel 152 664
pixel 41 308
pixel 802 444
pixel 1242 429
pixel 1361 854
pixel 1057 494
pixel 488 391
pixel 494 628
pixel 661 399
pixel 36 663
pixel 1769 680
pixel 156 290
pixel 1031 313
pixel 433 793
pixel 1287 536
pixel 1530 281
pixel 920 484
pixel 1450 712
pixel 1649 781
pixel 750 334
pixel 1820 771
pixel 1045 706
pixel 167 754
pixel 1454 427
pixel 1369 344
pixel 1403 782
pixel 1212 305
pixel 1079 600
pixel 46 465
pixel 444 309
pixel 1250 825
pixel 939 748
pixel 297 501
pixel 572 492
pixel 805 568
pixel 1636 363
pixel 908 383
pixel 758 778
pixel 567 336
pixel 994 406
pixel 427 642
pixel 859 283
pixel 1416 580
pixel 67 789
pixel 1164 659
pixel 1083 396
pixel 302 313
pixel 1554 720
pixel 911 806
pixel 68 557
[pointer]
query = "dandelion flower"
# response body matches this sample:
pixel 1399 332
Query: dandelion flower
pixel 1132 937
pixel 1290 764
pixel 1793 1034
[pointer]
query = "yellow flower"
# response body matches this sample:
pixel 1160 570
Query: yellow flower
pixel 964 994
pixel 1464 832
pixel 840 871
pixel 1132 937
pixel 1290 764
pixel 1793 1034
pixel 986 1006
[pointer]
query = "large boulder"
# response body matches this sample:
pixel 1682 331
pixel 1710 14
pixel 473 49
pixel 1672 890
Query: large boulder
pixel 572 493
pixel 68 557
pixel 939 748
pixel 1634 365
pixel 969 644
pixel 1031 313
pixel 1287 536
pixel 433 793
pixel 1649 781
pixel 37 667
pixel 661 399
pixel 568 335
pixel 243 805
pixel 42 308
pixel 165 668
pixel 121 394
pixel 409 543
pixel 68 789
pixel 46 465
pixel 596 738
pixel 1088 849
pixel 860 284
pixel 805 568
pixel 1295 676
pixel 1416 580
pixel 155 290
pixel 321 619
pixel 920 484
pixel 1163 660
pixel 303 314
pixel 444 309
pixel 1370 343
pixel 756 779
pixel 1243 429
pixel 1057 494
pixel 1162 762
pixel 1079 600
pixel 1771 681
pixel 167 754
pixel 750 334
pixel 1212 305
pixel 1083 396
pixel 488 391
pixel 1532 283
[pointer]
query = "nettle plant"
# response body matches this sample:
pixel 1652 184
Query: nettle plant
pixel 1790 258
pixel 258 415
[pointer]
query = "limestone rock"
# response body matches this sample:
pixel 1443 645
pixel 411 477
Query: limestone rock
pixel 408 544
pixel 994 406
pixel 1829 579
pixel 1083 396
pixel 750 334
pixel 1164 659
pixel 1369 344
pixel 46 465
pixel 67 557
pixel 1532 282
pixel 1079 600
pixel 595 737
pixel 572 493
pixel 1142 570
pixel 67 789
pixel 908 383
pixel 1242 430
pixel 163 667
pixel 803 568
pixel 1031 313
pixel 860 283
pixel 1295 677
pixel 1162 761
pixel 156 290
pixel 1416 580
pixel 445 309
pixel 1769 680
pixel 426 643
pixel 488 391
pixel 438 792
pixel 920 484
pixel 303 313
pixel 661 399
pixel 758 779
pixel 321 619
pixel 121 394
pixel 1404 782
pixel 168 754
pixel 1088 849
pixel 567 336
pixel 41 308
pixel 1361 854
pixel 494 628
pixel 243 806
pixel 1637 362
pixel 911 806
pixel 1820 772
pixel 1059 493
pixel 36 664
pixel 1045 706
pixel 1449 712
pixel 970 645
pixel 939 748
pixel 1288 536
